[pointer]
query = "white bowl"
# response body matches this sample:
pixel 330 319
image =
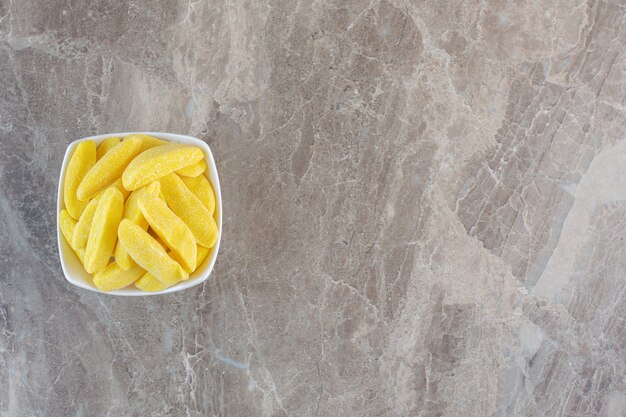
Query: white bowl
pixel 73 269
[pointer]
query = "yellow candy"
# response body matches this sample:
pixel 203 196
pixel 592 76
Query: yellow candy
pixel 201 187
pixel 82 160
pixel 108 169
pixel 113 277
pixel 201 255
pixel 149 283
pixel 190 209
pixel 193 170
pixel 81 231
pixel 171 229
pixel 147 142
pixel 121 257
pixel 67 226
pixel 148 254
pixel 81 255
pixel 199 251
pixel 116 184
pixel 106 145
pixel 103 233
pixel 134 214
pixel 132 209
pixel 157 162
pixel 157 238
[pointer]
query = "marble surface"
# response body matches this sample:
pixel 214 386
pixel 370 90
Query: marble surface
pixel 424 207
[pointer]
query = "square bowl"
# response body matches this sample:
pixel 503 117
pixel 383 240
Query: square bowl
pixel 72 267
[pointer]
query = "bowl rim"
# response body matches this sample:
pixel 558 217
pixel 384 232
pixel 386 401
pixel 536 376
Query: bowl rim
pixel 201 275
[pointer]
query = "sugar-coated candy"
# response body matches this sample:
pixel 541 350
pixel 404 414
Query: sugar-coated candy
pixel 148 254
pixel 193 170
pixel 190 209
pixel 82 161
pixel 171 229
pixel 109 168
pixel 113 277
pixel 134 214
pixel 103 234
pixel 106 145
pixel 201 187
pixel 158 162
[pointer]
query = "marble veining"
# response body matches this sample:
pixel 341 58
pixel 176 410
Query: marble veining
pixel 424 207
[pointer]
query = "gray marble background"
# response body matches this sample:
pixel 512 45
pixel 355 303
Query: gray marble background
pixel 424 201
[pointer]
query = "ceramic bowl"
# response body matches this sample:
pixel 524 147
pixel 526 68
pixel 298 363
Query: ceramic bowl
pixel 73 269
